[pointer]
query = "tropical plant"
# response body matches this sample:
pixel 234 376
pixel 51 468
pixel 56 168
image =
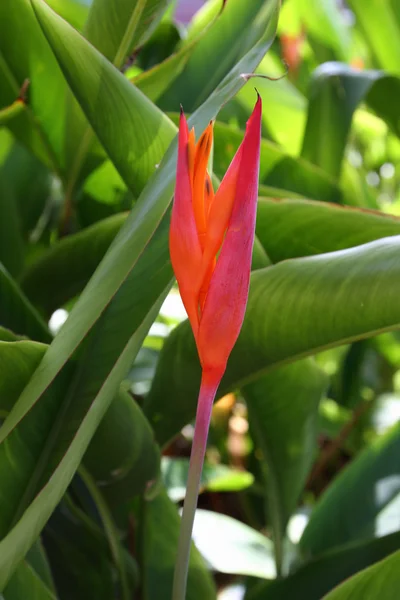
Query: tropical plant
pixel 99 371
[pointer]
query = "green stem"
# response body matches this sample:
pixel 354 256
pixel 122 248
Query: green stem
pixel 208 388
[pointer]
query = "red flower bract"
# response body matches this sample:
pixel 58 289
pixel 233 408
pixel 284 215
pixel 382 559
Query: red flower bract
pixel 211 238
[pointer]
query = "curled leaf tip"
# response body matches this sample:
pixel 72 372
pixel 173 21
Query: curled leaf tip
pixel 247 76
pixel 223 6
pixel 181 109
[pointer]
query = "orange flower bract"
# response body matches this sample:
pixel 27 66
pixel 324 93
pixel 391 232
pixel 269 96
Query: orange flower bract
pixel 211 238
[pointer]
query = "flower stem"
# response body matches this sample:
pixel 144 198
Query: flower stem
pixel 209 384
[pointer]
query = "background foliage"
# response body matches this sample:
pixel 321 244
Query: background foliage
pixel 301 487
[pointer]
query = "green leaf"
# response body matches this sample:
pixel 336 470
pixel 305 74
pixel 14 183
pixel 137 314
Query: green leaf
pixel 82 562
pixel 160 522
pixel 283 416
pixel 160 46
pixel 214 478
pixel 225 43
pixel 111 532
pixel 336 91
pixel 27 584
pixel 290 229
pixel 40 126
pixel 356 497
pixel 32 578
pixel 11 242
pixel 117 28
pixel 277 168
pixel 230 546
pixel 379 581
pixel 155 81
pixel 73 11
pixel 44 451
pixel 61 273
pixel 138 139
pixel 16 312
pixel 18 360
pixel 324 21
pixel 37 558
pixel 296 308
pixel 122 456
pixel 29 183
pixel 377 20
pixel 8 336
pixel 319 576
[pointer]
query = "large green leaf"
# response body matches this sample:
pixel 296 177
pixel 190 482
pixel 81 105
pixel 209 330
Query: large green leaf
pixel 336 91
pixel 318 577
pixel 159 540
pixel 356 497
pixel 296 308
pixel 379 581
pixel 283 416
pixel 289 229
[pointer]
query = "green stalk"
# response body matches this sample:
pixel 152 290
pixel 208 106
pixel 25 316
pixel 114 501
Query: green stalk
pixel 208 388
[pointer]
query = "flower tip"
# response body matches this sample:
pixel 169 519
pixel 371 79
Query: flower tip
pixel 258 104
pixel 181 110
